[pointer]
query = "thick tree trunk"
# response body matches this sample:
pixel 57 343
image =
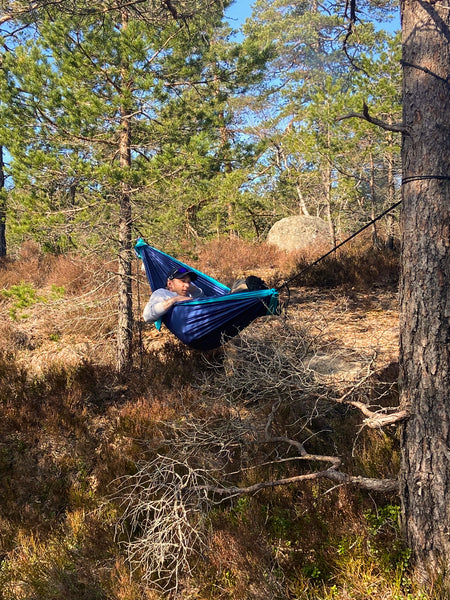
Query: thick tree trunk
pixel 390 234
pixel 425 302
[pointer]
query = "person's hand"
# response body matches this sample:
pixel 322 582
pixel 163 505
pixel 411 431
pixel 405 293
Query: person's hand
pixel 181 299
pixel 172 301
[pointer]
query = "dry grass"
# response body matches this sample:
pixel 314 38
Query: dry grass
pixel 229 259
pixel 70 433
pixel 357 264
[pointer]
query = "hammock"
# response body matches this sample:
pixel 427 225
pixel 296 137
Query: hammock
pixel 205 323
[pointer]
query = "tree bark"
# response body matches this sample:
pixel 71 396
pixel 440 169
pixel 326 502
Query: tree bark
pixel 424 293
pixel 125 308
pixel 2 207
pixel 303 209
pixel 327 186
pixel 125 311
pixel 375 241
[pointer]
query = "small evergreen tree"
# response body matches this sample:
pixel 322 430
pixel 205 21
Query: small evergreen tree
pixel 89 103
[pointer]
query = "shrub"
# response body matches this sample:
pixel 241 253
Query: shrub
pixel 358 264
pixel 22 295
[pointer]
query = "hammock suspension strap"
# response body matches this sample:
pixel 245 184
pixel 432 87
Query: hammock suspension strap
pixel 297 275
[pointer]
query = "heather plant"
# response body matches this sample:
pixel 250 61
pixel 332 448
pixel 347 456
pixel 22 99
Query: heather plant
pixel 359 265
pixel 59 565
pixel 87 460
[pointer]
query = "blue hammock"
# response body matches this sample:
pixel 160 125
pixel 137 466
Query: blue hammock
pixel 205 323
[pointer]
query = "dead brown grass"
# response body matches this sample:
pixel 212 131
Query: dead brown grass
pixel 229 259
pixel 358 264
pixel 69 429
pixel 74 273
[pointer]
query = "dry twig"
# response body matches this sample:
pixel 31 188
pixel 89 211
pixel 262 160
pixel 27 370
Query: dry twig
pixel 264 398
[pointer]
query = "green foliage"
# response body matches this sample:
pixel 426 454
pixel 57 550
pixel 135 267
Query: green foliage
pixel 23 296
pixel 225 137
pixel 69 170
pixel 57 291
pixel 239 511
pixel 386 517
pixel 315 161
pixel 383 524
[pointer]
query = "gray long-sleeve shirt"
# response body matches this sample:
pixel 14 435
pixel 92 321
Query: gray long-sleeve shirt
pixel 155 309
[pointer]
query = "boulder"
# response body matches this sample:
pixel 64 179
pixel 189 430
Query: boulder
pixel 298 232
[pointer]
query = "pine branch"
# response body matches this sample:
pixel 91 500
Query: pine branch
pixel 374 121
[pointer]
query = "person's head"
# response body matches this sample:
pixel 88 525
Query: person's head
pixel 179 280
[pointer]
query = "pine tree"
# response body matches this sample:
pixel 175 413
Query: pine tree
pixel 88 103
pixel 312 164
pixel 424 320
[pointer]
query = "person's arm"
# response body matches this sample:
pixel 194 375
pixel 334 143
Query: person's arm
pixel 160 302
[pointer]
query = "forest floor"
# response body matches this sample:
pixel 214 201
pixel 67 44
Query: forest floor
pixel 352 320
pixel 355 320
pixel 82 429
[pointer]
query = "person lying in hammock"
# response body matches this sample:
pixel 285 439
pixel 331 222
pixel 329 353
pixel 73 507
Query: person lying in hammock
pixel 179 288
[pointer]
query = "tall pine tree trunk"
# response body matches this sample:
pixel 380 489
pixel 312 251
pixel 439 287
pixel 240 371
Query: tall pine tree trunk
pixel 2 207
pixel 303 209
pixel 375 240
pixel 425 302
pixel 227 168
pixel 327 185
pixel 125 309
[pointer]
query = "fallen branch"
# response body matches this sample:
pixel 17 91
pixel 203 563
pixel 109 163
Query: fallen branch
pixel 366 483
pixel 375 419
pixel 382 419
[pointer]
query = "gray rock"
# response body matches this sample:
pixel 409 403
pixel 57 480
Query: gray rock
pixel 298 232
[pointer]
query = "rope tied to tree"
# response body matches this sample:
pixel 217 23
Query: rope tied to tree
pixel 406 180
pixel 371 222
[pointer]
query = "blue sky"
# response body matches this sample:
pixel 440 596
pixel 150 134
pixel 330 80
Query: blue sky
pixel 241 9
pixel 238 12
